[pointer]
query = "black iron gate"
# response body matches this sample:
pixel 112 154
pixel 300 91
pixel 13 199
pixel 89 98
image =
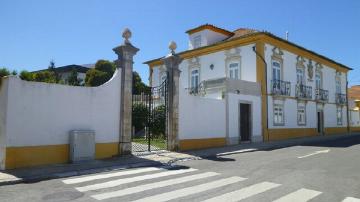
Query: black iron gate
pixel 149 111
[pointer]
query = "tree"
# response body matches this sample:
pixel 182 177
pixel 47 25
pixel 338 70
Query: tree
pixel 139 86
pixel 158 122
pixel 102 73
pixel 25 75
pixel 45 76
pixel 4 72
pixel 52 68
pixel 73 79
pixel 140 114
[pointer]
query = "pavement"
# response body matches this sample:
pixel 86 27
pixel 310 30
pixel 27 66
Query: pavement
pixel 157 158
pixel 321 169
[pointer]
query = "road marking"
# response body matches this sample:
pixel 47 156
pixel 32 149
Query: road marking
pixel 191 190
pixel 317 152
pixel 244 192
pixel 108 175
pixel 300 195
pixel 236 152
pixel 115 183
pixel 351 199
pixel 154 185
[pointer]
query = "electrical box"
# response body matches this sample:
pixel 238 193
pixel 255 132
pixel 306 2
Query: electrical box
pixel 82 145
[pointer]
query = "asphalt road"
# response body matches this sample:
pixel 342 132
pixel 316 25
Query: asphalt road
pixel 327 171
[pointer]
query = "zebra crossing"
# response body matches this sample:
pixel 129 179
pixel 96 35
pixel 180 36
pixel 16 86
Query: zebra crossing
pixel 115 185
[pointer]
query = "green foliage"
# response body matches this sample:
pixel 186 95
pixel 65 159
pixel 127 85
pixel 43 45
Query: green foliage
pixel 73 79
pixel 51 65
pixel 14 72
pixel 158 122
pixel 140 115
pixel 25 75
pixel 102 73
pixel 139 86
pixel 45 76
pixel 4 72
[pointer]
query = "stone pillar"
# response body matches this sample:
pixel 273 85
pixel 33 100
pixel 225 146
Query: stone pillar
pixel 172 62
pixel 125 53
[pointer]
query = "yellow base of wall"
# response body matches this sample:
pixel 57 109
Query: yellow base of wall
pixel 335 130
pixel 190 144
pixel 288 133
pixel 355 129
pixel 19 157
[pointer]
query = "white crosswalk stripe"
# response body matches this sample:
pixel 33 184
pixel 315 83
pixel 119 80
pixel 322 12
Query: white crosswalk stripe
pixel 244 192
pixel 154 185
pixel 301 195
pixel 351 199
pixel 109 175
pixel 118 182
pixel 191 190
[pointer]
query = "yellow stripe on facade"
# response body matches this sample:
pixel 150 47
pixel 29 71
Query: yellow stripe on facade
pixel 287 133
pixel 335 130
pixel 189 144
pixel 19 157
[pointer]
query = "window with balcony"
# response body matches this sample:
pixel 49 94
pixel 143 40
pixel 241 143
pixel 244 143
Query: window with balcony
pixel 320 94
pixel 301 113
pixel 278 87
pixel 234 70
pixel 276 70
pixel 278 114
pixel 194 80
pixel 339 115
pixel 197 41
pixel 338 84
pixel 300 76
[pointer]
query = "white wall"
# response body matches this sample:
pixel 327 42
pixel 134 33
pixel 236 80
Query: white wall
pixel 355 118
pixel 290 104
pixel 43 114
pixel 255 102
pixel 200 117
pixel 3 104
pixel 208 37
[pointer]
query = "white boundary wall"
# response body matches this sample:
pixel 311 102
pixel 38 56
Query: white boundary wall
pixel 34 114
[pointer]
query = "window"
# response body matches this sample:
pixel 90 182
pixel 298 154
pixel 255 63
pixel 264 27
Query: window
pixel 318 80
pixel 194 79
pixel 163 77
pixel 338 84
pixel 276 70
pixel 197 41
pixel 339 115
pixel 300 76
pixel 278 114
pixel 301 114
pixel 234 71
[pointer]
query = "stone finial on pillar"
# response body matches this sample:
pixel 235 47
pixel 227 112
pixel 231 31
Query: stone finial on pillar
pixel 125 53
pixel 172 62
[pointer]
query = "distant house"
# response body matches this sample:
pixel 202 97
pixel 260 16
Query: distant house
pixel 65 72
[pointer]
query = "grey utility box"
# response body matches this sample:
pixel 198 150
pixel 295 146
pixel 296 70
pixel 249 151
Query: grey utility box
pixel 82 145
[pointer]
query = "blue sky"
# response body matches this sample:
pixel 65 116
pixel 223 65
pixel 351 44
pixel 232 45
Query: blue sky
pixel 32 32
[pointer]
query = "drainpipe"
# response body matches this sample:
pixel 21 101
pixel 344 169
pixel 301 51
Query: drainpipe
pixel 266 91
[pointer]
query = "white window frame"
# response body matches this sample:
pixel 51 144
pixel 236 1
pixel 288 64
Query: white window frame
pixel 318 80
pixel 278 114
pixel 339 115
pixel 300 75
pixel 197 41
pixel 234 72
pixel 276 75
pixel 192 84
pixel 337 84
pixel 301 114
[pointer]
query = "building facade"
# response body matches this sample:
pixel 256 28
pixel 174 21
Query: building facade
pixel 248 85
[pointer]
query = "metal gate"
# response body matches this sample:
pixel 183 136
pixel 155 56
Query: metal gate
pixel 149 118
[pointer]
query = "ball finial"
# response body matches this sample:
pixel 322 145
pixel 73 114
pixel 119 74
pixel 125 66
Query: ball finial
pixel 172 47
pixel 126 35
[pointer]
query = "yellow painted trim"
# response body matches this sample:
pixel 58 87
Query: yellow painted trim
pixel 288 133
pixel 190 144
pixel 261 78
pixel 335 130
pixel 106 150
pixel 19 157
pixel 355 129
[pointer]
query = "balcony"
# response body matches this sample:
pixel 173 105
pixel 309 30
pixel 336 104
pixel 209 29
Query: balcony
pixel 279 87
pixel 340 98
pixel 321 95
pixel 216 88
pixel 303 92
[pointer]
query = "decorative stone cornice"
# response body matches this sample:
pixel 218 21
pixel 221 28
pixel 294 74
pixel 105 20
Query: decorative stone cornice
pixel 318 66
pixel 194 62
pixel 310 69
pixel 277 52
pixel 234 52
pixel 300 61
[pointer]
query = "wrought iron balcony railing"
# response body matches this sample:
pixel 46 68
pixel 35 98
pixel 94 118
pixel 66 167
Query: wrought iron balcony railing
pixel 279 87
pixel 197 90
pixel 340 98
pixel 303 91
pixel 321 95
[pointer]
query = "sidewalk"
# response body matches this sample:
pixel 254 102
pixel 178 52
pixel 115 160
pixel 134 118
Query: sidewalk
pixel 159 158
